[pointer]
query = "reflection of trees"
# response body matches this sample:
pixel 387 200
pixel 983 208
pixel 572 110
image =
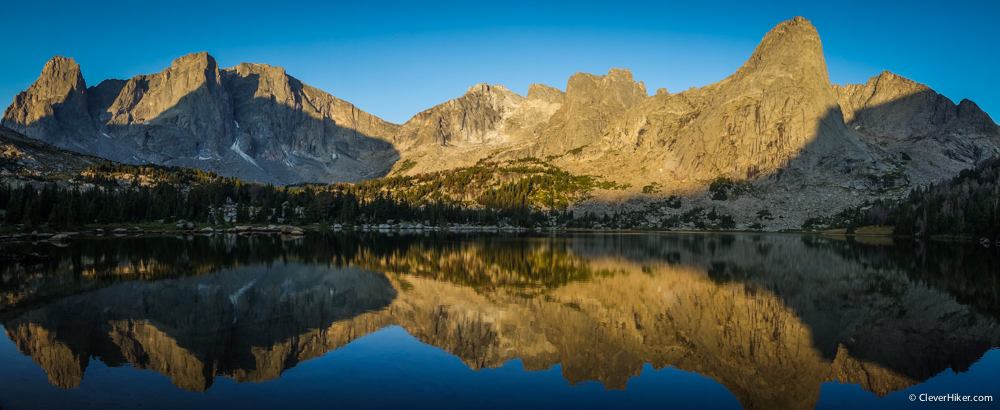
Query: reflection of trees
pixel 481 262
pixel 769 317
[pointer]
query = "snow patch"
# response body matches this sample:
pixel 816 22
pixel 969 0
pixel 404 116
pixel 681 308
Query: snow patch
pixel 236 149
pixel 235 297
pixel 105 134
pixel 237 124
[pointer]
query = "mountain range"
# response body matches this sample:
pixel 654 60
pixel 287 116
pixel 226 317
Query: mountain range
pixel 777 122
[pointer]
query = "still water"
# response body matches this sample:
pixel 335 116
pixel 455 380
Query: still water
pixel 450 321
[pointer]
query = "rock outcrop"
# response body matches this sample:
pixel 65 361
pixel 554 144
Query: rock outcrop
pixel 591 105
pixel 777 121
pixel 280 120
pixel 191 114
pixel 776 111
pixel 181 112
pixel 476 118
pixel 486 120
pixel 926 131
pixel 54 108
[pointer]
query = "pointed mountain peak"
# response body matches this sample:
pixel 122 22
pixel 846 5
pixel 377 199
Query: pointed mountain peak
pixel 54 108
pixel 197 63
pixel 62 71
pixel 894 86
pixel 889 76
pixel 971 111
pixel 791 46
pixel 200 58
pixel 622 73
pixel 486 88
pixel 545 93
pixel 61 64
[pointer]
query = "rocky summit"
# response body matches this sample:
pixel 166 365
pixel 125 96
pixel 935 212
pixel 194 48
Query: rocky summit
pixel 778 123
pixel 252 121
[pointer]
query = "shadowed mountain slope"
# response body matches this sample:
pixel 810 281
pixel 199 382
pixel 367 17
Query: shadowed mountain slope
pixel 191 114
pixel 776 123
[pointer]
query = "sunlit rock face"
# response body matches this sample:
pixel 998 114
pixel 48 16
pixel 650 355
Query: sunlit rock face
pixel 776 121
pixel 251 121
pixel 771 318
pixel 54 108
pixel 778 107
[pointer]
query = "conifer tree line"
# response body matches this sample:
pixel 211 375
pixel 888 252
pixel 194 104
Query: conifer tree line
pixel 537 195
pixel 120 193
pixel 966 205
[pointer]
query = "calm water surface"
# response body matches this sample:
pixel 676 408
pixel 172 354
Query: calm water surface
pixel 446 321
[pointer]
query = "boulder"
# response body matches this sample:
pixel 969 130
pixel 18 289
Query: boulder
pixel 291 230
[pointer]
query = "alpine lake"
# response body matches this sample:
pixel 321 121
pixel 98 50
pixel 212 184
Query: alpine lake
pixel 498 321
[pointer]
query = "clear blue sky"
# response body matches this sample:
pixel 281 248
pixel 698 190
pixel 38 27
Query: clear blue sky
pixel 394 59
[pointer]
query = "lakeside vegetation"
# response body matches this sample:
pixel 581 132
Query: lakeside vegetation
pixel 966 205
pixel 527 192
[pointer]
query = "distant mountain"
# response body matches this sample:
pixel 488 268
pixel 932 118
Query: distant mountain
pixel 777 122
pixel 251 121
pixel 926 132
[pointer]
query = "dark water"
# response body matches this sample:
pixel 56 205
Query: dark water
pixel 443 321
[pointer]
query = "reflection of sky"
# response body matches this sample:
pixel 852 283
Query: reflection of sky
pixel 395 59
pixel 983 378
pixel 391 369
pixel 385 369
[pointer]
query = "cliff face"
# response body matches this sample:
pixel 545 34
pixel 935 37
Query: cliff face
pixel 777 120
pixel 284 123
pixel 486 120
pixel 54 108
pixel 473 119
pixel 592 103
pixel 926 131
pixel 191 115
pixel 181 112
pixel 775 112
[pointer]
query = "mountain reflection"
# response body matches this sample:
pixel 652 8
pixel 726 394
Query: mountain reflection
pixel 769 317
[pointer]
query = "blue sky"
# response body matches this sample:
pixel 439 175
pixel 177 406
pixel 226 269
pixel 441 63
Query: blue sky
pixel 394 59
